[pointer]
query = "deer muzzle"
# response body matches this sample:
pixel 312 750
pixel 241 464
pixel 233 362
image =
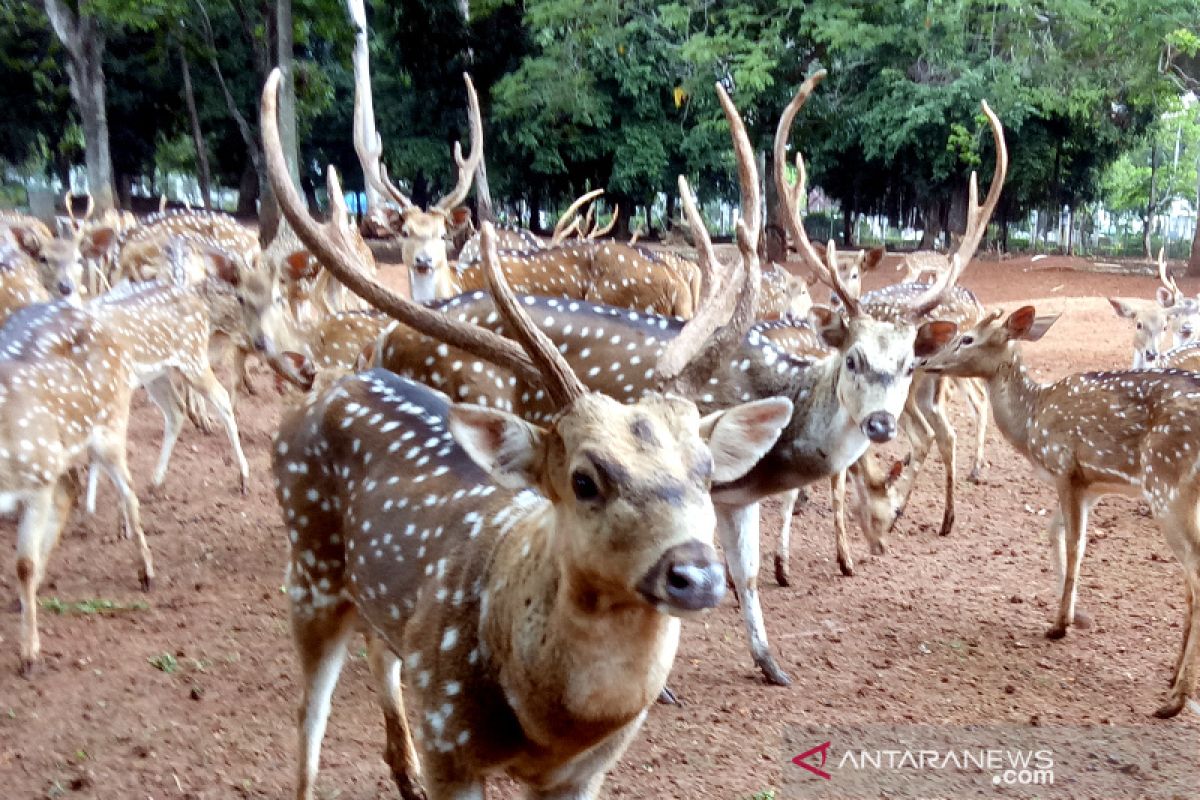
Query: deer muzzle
pixel 687 577
pixel 879 427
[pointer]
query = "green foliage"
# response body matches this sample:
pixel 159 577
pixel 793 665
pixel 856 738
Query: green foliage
pixel 166 663
pixel 56 605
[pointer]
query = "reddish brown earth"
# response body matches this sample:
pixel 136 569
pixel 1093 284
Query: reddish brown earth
pixel 939 630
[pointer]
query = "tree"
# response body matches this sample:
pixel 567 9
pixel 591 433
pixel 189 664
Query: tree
pixel 364 102
pixel 83 38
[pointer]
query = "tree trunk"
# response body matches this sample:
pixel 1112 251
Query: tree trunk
pixel 1148 219
pixel 774 245
pixel 364 98
pixel 247 205
pixel 287 88
pixel 189 96
pixel 483 193
pixel 933 225
pixel 84 42
pixel 1070 248
pixel 1193 268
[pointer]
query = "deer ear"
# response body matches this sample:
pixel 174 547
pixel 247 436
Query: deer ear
pixel 932 337
pixel 460 215
pixel 738 437
pixel 830 325
pixel 97 241
pixel 1165 297
pixel 301 265
pixel 29 241
pixel 223 267
pixel 505 446
pixel 1123 308
pixel 874 258
pixel 366 357
pixel 1025 324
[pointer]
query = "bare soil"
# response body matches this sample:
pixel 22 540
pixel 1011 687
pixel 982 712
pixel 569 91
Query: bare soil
pixel 193 695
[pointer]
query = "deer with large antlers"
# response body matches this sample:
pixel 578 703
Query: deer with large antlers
pixel 64 393
pixel 842 402
pixel 424 231
pixel 1092 434
pixel 528 579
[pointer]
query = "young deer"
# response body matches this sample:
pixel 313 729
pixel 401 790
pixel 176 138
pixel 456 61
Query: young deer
pixel 1171 314
pixel 20 282
pixel 64 392
pixel 424 231
pixel 140 250
pixel 1093 434
pixel 532 578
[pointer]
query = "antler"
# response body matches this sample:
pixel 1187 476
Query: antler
pixel 568 221
pixel 370 155
pixel 561 383
pixel 699 346
pixel 597 232
pixel 1167 280
pixel 329 245
pixel 466 169
pixel 977 221
pixel 825 269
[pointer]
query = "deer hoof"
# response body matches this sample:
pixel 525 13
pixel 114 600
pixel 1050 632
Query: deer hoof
pixel 947 524
pixel 668 698
pixel 771 671
pixel 146 581
pixel 1056 632
pixel 846 565
pixel 1172 708
pixel 782 570
pixel 976 476
pixel 878 549
pixel 29 668
pixel 244 485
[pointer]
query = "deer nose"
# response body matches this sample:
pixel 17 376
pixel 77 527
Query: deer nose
pixel 65 288
pixel 687 577
pixel 260 343
pixel 423 263
pixel 879 427
pixel 1150 356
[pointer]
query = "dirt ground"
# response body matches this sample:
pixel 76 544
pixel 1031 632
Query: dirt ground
pixel 190 692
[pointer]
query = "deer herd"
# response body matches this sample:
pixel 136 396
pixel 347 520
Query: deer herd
pixel 513 483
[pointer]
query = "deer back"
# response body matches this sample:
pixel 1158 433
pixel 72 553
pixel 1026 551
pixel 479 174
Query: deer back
pixel 159 326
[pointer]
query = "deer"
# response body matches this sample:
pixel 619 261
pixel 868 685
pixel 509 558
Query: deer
pixel 785 295
pixel 531 579
pixel 164 327
pixel 20 281
pixel 140 250
pixel 918 265
pixel 60 259
pixel 1091 434
pixel 840 404
pixel 64 394
pixel 424 231
pixel 1172 314
pixel 311 293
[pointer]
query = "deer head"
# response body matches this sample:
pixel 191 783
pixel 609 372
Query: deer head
pixel 984 350
pixel 878 357
pixel 425 231
pixel 1172 314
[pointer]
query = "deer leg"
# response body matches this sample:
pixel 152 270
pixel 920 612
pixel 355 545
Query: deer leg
pixel 783 550
pixel 977 396
pixel 31 564
pixel 837 485
pixel 738 528
pixel 108 449
pixel 1182 532
pixel 1073 505
pixel 321 637
pixel 163 393
pixel 241 372
pixel 206 383
pixel 400 755
pixel 934 410
pixel 93 483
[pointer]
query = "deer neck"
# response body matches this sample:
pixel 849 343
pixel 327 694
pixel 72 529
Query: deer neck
pixel 1015 399
pixel 566 646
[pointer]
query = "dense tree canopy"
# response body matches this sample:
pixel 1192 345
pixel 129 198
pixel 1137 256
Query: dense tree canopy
pixel 618 93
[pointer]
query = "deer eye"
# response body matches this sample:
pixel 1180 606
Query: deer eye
pixel 1139 326
pixel 851 363
pixel 966 341
pixel 585 488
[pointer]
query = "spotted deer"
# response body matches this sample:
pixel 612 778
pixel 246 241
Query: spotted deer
pixel 60 259
pixel 842 402
pixel 312 294
pixel 140 250
pixel 64 396
pixel 424 231
pixel 164 327
pixel 920 266
pixel 1091 434
pixel 98 237
pixel 529 579
pixel 785 295
pixel 1172 317
pixel 20 281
